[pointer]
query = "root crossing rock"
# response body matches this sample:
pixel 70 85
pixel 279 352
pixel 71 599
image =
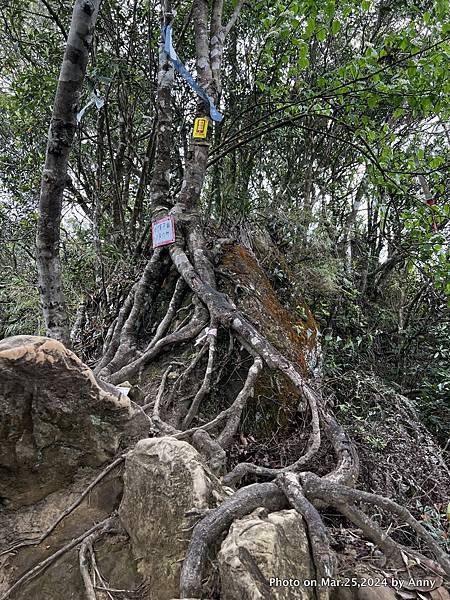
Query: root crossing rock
pixel 260 547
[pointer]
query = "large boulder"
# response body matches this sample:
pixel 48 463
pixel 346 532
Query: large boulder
pixel 266 555
pixel 54 418
pixel 164 479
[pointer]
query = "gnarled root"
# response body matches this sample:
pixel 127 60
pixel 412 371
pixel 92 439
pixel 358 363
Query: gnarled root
pixel 336 494
pixel 120 340
pixel 103 527
pixel 189 331
pixel 217 521
pixel 304 491
pixel 87 556
pixel 323 557
pixel 211 335
pixel 234 413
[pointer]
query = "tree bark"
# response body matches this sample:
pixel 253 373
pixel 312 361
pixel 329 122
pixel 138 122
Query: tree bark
pixel 54 178
pixel 160 182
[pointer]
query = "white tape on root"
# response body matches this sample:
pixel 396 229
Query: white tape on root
pixel 200 339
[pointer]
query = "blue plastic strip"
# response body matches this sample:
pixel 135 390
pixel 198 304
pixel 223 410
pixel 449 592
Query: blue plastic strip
pixel 170 51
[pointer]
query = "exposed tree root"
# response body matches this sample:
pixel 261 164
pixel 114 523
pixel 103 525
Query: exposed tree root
pixel 158 423
pixel 186 373
pixel 385 543
pixel 68 510
pixel 87 556
pixel 174 304
pixel 112 339
pixel 234 412
pixel 122 336
pixel 211 450
pixel 146 285
pixel 335 488
pixel 304 491
pixel 302 495
pixel 323 557
pixel 335 494
pixel 225 312
pixel 211 336
pixel 106 525
pixel 160 394
pixel 347 462
pixel 123 357
pixel 243 469
pixel 189 331
pixel 208 530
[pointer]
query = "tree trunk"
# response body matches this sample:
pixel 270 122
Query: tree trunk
pixel 60 137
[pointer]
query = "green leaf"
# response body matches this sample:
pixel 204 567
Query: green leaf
pixel 330 8
pixel 310 27
pixel 303 62
pixel 335 27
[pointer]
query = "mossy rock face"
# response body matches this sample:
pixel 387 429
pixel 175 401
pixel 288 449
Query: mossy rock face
pixel 62 579
pixel 274 404
pixel 253 293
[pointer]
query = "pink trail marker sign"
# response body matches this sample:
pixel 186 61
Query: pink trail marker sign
pixel 163 232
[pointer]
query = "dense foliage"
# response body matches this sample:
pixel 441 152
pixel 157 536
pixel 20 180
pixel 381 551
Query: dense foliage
pixel 336 133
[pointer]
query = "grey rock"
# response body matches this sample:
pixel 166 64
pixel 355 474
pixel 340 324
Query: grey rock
pixel 260 547
pixel 164 479
pixel 54 418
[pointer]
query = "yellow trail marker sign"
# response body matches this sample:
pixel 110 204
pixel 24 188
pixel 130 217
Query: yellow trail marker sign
pixel 200 127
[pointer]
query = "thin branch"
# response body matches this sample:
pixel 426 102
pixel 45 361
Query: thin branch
pixel 234 17
pixel 55 17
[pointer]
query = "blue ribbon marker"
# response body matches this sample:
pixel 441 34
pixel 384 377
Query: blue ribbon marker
pixel 170 51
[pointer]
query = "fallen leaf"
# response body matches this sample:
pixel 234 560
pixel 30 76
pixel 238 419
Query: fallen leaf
pixel 440 594
pixel 243 440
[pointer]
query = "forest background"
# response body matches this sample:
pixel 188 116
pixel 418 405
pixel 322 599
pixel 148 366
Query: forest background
pixel 325 188
pixel 335 136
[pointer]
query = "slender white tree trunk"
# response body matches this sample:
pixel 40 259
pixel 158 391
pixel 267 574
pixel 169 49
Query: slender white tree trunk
pixel 54 178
